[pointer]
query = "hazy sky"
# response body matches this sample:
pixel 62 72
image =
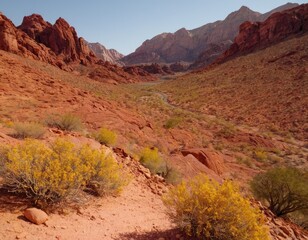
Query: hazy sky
pixel 125 24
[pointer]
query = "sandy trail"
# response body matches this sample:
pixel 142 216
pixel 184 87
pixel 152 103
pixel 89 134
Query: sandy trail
pixel 136 214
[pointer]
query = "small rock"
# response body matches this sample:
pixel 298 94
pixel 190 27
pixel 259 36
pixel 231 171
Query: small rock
pixel 158 178
pixel 22 235
pixel 80 211
pixel 35 215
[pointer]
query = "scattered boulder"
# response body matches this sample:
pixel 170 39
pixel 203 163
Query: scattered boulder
pixel 209 158
pixel 36 215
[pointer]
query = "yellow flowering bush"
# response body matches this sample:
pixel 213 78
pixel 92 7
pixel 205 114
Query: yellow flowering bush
pixel 151 159
pixel 106 136
pixel 207 210
pixel 55 173
pixel 104 175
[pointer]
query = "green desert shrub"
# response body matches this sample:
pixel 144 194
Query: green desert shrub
pixel 66 122
pixel 28 130
pixel 106 136
pixel 207 210
pixel 284 190
pixel 55 173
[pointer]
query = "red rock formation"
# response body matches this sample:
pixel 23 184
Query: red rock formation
pixel 59 45
pixel 210 159
pixel 277 27
pixel 16 41
pixel 153 68
pixel 61 38
pixel 178 67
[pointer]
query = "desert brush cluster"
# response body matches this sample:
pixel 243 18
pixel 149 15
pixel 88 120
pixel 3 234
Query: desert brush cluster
pixel 56 172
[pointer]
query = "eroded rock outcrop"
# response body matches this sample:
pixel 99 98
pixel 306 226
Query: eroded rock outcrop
pixel 209 158
pixel 61 38
pixel 280 25
pixel 16 41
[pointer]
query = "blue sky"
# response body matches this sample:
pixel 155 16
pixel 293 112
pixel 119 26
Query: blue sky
pixel 125 24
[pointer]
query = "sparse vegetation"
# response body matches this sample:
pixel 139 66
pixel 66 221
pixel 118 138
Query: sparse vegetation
pixel 106 136
pixel 28 130
pixel 260 155
pixel 284 190
pixel 66 122
pixel 207 210
pixel 171 175
pixel 56 173
pixel 244 160
pixel 172 122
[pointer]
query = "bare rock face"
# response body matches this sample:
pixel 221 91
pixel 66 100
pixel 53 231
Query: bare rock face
pixel 8 41
pixel 61 38
pixel 212 52
pixel 40 40
pixel 16 41
pixel 110 55
pixel 277 27
pixel 186 45
pixel 209 158
pixel 35 215
pixel 34 25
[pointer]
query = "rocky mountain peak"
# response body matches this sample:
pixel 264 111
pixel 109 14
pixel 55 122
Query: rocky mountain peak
pixel 63 23
pixel 110 55
pixel 33 25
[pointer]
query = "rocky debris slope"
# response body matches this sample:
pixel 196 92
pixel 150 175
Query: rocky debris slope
pixel 282 228
pixel 109 55
pixel 256 35
pixel 186 45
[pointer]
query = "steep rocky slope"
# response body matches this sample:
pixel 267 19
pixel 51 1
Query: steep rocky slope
pixel 187 45
pixel 60 46
pixel 110 55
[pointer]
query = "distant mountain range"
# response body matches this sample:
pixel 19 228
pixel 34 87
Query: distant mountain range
pixel 110 55
pixel 206 42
